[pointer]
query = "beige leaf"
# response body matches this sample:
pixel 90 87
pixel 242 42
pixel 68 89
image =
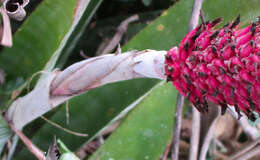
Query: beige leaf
pixel 6 33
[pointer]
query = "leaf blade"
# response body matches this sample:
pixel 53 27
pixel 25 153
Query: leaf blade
pixel 147 124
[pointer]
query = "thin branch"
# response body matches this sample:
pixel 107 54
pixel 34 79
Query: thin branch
pixel 250 154
pixel 88 149
pixel 195 134
pixel 166 152
pixel 83 55
pixel 32 148
pixel 67 112
pixel 208 138
pixel 220 145
pixel 220 155
pixel 251 131
pixel 177 123
pixel 244 150
pixel 115 40
pixel 64 129
pixel 194 19
pixel 177 127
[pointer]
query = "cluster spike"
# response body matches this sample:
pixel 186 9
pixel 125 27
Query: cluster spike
pixel 236 22
pixel 218 65
pixel 216 21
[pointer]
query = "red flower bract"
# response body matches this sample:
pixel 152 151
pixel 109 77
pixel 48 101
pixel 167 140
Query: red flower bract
pixel 219 65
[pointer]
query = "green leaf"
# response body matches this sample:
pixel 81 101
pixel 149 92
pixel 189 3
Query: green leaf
pixel 69 156
pixel 76 33
pixel 63 148
pixel 5 133
pixel 120 116
pixel 66 154
pixel 38 38
pixel 80 17
pixel 248 10
pixel 12 149
pixel 166 31
pixel 145 131
pixel 72 37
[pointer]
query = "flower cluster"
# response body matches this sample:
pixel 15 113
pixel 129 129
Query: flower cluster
pixel 219 65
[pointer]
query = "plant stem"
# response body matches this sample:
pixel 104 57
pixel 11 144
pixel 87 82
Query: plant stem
pixel 178 115
pixel 177 127
pixel 207 139
pixel 32 148
pixel 195 134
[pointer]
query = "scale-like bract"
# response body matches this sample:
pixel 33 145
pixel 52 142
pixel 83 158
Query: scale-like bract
pixel 219 65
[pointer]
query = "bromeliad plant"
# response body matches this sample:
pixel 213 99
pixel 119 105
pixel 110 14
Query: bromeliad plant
pixel 218 65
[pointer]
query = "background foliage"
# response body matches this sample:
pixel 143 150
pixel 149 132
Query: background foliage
pixel 147 129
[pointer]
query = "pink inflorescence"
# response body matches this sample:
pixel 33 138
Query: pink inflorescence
pixel 219 65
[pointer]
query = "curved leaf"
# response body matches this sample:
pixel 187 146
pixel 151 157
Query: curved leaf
pixel 5 133
pixel 66 153
pixel 145 131
pixel 38 38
